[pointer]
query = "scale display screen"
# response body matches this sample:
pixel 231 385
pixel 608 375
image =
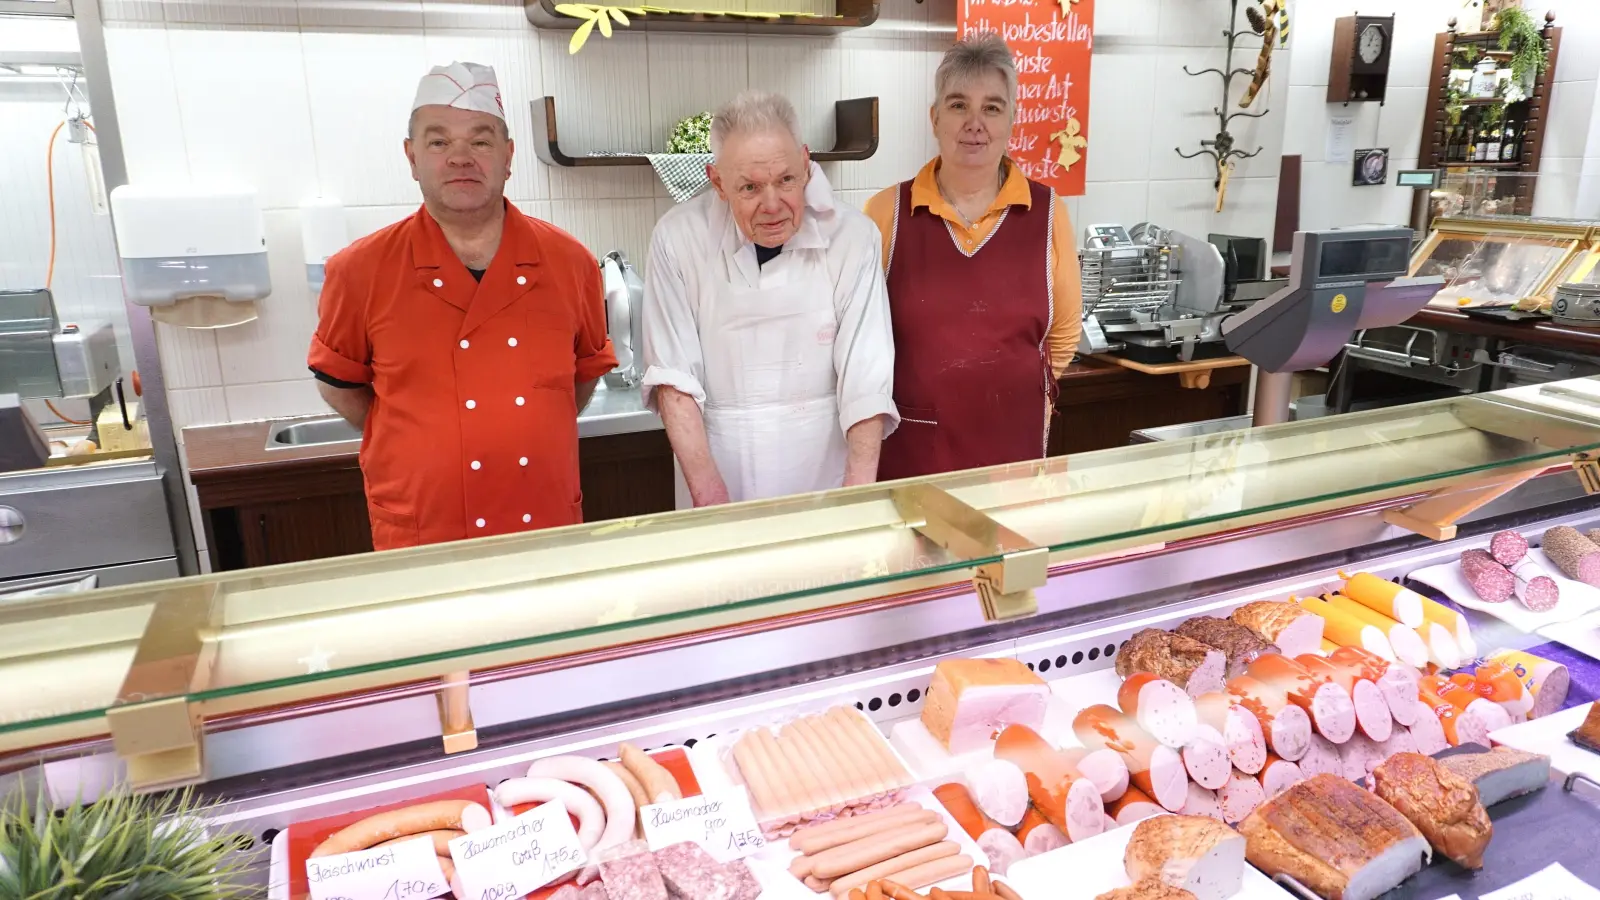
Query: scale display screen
pixel 1350 259
pixel 1418 178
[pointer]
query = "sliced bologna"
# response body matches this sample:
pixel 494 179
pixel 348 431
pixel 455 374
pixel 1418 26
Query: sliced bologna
pixel 1322 758
pixel 1038 835
pixel 1278 775
pixel 1000 790
pixel 1372 711
pixel 1205 758
pixel 1427 732
pixel 1359 756
pixel 1067 799
pixel 1160 707
pixel 1332 712
pixel 1400 741
pixel 1286 726
pixel 1240 797
pixel 1397 683
pixel 1104 769
pixel 1154 769
pixel 1133 806
pixel 1241 731
pixel 1202 802
pixel 1002 848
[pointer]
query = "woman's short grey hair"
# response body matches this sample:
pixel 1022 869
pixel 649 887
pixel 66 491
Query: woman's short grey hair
pixel 752 112
pixel 976 57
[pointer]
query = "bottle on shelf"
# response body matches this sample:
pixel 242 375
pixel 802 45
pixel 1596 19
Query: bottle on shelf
pixel 1492 154
pixel 1510 149
pixel 1455 145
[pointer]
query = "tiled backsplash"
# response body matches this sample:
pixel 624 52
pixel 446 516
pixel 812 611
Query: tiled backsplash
pixel 310 97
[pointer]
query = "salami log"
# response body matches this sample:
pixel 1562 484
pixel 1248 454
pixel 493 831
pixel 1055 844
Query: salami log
pixel 1205 758
pixel 1372 711
pixel 1488 579
pixel 1286 726
pixel 1241 731
pixel 1575 555
pixel 1533 587
pixel 1508 548
pixel 1331 710
pixel 1067 799
pixel 1187 663
pixel 1160 707
pixel 1397 683
pixel 1154 769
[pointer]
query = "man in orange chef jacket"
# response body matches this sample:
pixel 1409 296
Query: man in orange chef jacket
pixel 464 339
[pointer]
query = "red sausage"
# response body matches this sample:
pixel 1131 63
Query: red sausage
pixel 1372 711
pixel 1329 706
pixel 1067 799
pixel 1286 726
pixel 1205 758
pixel 1241 731
pixel 1154 769
pixel 1160 707
pixel 1397 683
pixel 1240 797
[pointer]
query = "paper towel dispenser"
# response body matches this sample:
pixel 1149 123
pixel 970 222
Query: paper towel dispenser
pixel 195 254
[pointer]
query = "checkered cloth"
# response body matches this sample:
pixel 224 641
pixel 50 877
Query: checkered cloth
pixel 684 174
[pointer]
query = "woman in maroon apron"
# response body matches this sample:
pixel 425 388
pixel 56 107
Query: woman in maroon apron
pixel 984 287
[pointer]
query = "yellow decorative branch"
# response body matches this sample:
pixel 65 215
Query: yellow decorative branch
pixel 596 16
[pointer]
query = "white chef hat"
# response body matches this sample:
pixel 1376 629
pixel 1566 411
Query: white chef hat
pixel 463 86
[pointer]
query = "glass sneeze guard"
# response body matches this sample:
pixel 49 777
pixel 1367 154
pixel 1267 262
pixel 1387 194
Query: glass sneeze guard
pixel 251 639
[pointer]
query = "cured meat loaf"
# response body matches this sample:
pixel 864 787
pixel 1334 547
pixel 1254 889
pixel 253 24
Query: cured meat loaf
pixel 969 701
pixel 1154 769
pixel 1191 665
pixel 1239 645
pixel 1501 773
pixel 1068 800
pixel 1338 840
pixel 1292 629
pixel 1195 853
pixel 1441 804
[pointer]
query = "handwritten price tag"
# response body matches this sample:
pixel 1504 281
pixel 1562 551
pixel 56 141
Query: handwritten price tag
pixel 518 857
pixel 720 822
pixel 405 871
pixel 1553 882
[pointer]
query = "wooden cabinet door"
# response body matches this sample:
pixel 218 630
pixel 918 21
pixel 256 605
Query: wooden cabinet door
pixel 309 528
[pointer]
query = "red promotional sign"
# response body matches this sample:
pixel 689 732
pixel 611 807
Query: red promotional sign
pixel 1051 41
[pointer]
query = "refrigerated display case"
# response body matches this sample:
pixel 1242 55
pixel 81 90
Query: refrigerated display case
pixel 300 691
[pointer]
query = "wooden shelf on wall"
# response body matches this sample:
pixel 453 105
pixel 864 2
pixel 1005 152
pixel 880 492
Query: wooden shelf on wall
pixel 849 14
pixel 855 136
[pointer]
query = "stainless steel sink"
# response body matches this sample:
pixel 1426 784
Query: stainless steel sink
pixel 311 433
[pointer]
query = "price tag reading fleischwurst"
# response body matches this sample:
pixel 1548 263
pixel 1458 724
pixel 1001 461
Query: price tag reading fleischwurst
pixel 720 822
pixel 518 856
pixel 404 871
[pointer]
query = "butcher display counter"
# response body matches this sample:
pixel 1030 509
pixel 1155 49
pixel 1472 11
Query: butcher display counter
pixel 304 691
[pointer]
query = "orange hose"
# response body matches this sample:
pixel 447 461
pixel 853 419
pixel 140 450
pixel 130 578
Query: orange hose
pixel 57 413
pixel 50 192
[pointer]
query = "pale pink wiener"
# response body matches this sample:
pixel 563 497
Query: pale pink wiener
pixel 1241 731
pixel 1322 758
pixel 1105 770
pixel 1329 705
pixel 1372 711
pixel 1155 769
pixel 1202 802
pixel 455 815
pixel 1206 759
pixel 1160 707
pixel 1278 775
pixel 1395 682
pixel 1286 726
pixel 1240 797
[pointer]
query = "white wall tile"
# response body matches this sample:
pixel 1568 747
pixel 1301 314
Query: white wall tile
pixel 246 114
pixel 903 20
pixel 1250 210
pixel 1579 21
pixel 146 95
pixel 606 225
pixel 806 71
pixel 515 58
pixel 274 346
pixel 364 82
pixel 901 75
pixel 1254 132
pixel 132 11
pixel 501 14
pixel 602 102
pixel 857 199
pixel 275 13
pixel 1185 116
pixel 344 14
pixel 1556 194
pixel 1400 121
pixel 1119 132
pixel 1185 205
pixel 691 74
pixel 274 400
pixel 1126 21
pixel 1114 202
pixel 196 406
pixel 1194 23
pixel 188 356
pixel 1572 106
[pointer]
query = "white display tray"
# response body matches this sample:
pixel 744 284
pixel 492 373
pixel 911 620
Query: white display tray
pixel 1577 598
pixel 1582 635
pixel 1549 736
pixel 1094 866
pixel 931 762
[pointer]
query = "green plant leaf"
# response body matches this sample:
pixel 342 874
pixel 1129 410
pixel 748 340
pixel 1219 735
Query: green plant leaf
pixel 579 36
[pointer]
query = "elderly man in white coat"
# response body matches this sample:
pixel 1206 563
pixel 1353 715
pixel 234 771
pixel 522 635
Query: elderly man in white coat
pixel 767 344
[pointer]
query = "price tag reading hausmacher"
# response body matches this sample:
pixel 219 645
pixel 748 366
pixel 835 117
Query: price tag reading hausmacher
pixel 404 871
pixel 519 856
pixel 721 822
